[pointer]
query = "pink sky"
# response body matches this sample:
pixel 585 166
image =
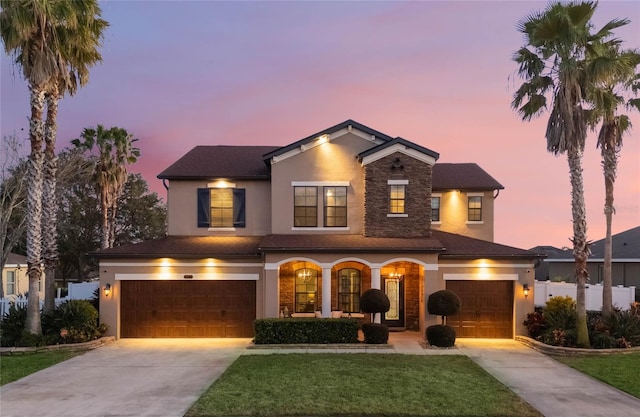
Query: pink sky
pixel 181 74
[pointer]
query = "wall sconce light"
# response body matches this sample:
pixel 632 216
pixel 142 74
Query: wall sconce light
pixel 525 290
pixel 107 290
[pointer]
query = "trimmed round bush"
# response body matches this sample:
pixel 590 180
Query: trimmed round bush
pixel 441 335
pixel 375 333
pixel 443 303
pixel 374 301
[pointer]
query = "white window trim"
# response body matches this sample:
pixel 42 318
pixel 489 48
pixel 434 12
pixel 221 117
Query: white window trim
pixel 320 183
pixel 221 229
pixel 322 228
pixel 475 194
pixel 397 182
pixel 397 215
pixel 475 222
pixel 221 184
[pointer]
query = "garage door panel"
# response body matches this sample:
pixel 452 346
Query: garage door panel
pixel 486 311
pixel 187 308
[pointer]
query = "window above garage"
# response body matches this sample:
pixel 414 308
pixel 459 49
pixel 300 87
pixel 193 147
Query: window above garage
pixel 221 208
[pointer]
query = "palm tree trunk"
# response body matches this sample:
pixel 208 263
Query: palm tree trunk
pixel 580 244
pixel 104 202
pixel 49 202
pixel 34 209
pixel 609 165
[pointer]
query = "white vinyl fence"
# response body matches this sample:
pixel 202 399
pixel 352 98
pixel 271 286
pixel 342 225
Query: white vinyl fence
pixel 81 291
pixel 622 296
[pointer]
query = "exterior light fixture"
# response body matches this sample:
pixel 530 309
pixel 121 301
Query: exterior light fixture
pixel 525 290
pixel 107 290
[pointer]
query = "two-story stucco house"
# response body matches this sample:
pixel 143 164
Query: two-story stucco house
pixel 304 229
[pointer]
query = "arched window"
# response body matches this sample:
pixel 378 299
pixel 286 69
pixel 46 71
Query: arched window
pixel 349 281
pixel 306 290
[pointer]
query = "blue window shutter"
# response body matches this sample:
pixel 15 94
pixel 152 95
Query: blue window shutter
pixel 204 208
pixel 239 208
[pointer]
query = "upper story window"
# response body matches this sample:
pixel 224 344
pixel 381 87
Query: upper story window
pixel 475 208
pixel 435 208
pixel 221 207
pixel 397 198
pixel 305 210
pixel 349 285
pixel 11 282
pixel 335 206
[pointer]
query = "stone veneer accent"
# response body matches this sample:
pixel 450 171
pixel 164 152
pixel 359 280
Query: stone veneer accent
pixel 397 166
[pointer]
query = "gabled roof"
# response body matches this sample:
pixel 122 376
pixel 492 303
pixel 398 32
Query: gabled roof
pixel 348 124
pixel 625 247
pixel 466 176
pixel 15 259
pixel 230 162
pixel 397 144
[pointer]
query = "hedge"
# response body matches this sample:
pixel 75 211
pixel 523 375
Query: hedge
pixel 305 330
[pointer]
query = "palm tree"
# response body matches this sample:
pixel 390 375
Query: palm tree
pixel 115 149
pixel 553 63
pixel 40 34
pixel 614 74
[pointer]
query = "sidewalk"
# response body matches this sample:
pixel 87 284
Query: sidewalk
pixel 554 389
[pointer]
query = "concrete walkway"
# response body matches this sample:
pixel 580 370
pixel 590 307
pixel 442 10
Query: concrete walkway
pixel 129 377
pixel 163 377
pixel 554 389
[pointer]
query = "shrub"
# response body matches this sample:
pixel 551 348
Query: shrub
pixel 375 333
pixel 560 313
pixel 374 301
pixel 74 321
pixel 535 324
pixel 441 335
pixel 443 303
pixel 12 326
pixel 305 330
pixel 623 325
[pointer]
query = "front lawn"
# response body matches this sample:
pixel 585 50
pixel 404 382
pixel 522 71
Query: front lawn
pixel 618 370
pixel 357 385
pixel 15 367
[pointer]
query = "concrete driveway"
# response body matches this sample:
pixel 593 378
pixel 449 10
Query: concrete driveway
pixel 130 377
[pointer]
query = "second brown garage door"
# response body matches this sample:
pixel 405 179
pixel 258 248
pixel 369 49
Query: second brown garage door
pixel 487 309
pixel 187 308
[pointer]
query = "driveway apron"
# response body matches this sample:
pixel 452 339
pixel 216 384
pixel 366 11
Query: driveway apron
pixel 554 389
pixel 130 377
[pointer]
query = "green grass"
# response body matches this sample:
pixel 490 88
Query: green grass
pixel 618 370
pixel 352 385
pixel 15 367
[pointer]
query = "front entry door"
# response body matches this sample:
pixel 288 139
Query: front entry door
pixel 394 288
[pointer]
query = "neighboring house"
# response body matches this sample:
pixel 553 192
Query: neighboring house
pixel 258 231
pixel 625 270
pixel 15 281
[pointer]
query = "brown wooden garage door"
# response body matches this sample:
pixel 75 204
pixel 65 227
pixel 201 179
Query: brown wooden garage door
pixel 187 308
pixel 487 309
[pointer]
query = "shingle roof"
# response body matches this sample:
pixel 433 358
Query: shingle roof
pixel 329 131
pixel 624 245
pixel 400 141
pixel 447 245
pixel 231 162
pixel 466 176
pixel 346 243
pixel 187 247
pixel 15 259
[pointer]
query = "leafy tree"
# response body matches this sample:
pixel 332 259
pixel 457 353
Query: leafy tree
pixel 614 74
pixel 13 198
pixel 553 64
pixel 54 43
pixel 115 150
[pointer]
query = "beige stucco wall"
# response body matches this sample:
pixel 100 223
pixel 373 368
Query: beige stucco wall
pixel 182 204
pixel 331 161
pixel 453 215
pixel 162 269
